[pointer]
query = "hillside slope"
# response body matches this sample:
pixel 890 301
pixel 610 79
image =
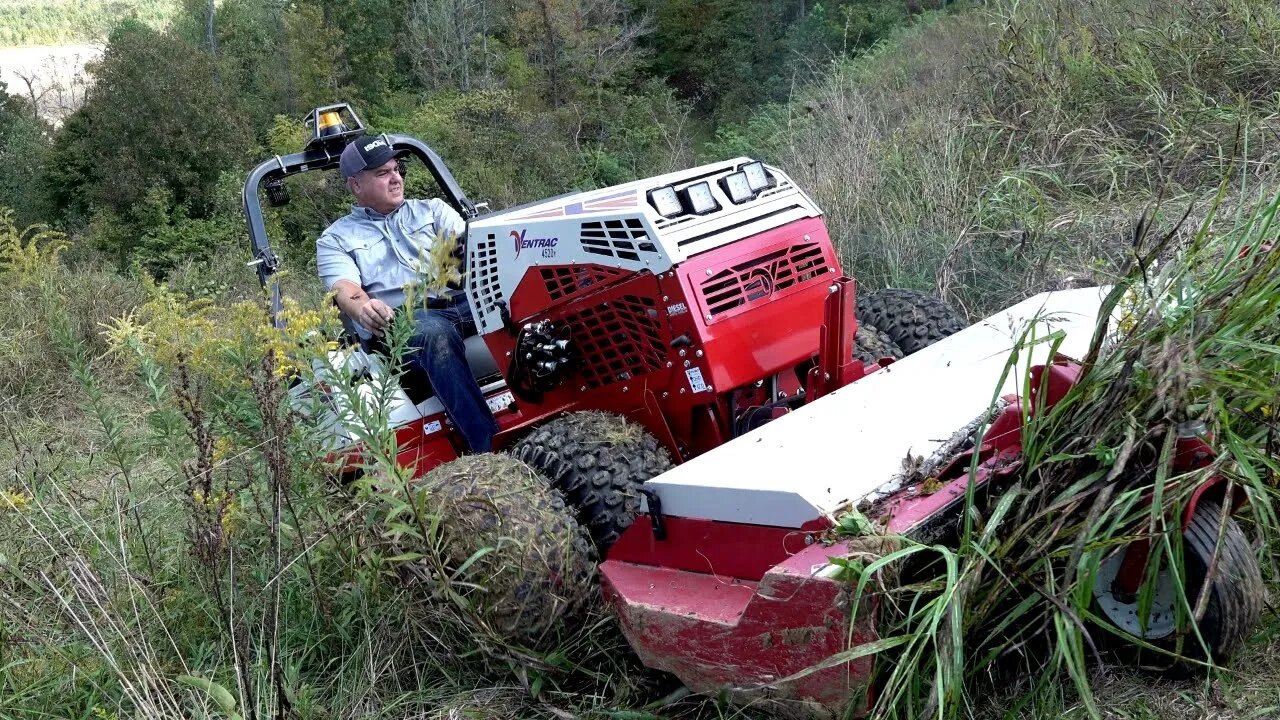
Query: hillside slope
pixel 1011 147
pixel 25 23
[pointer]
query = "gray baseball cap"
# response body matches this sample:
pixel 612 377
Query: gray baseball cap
pixel 364 153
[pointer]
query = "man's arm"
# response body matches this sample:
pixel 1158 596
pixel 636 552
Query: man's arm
pixel 447 221
pixel 341 276
pixel 356 303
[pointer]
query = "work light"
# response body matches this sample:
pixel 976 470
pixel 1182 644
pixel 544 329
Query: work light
pixel 330 123
pixel 738 188
pixel 665 201
pixel 277 192
pixel 699 199
pixel 757 177
pixel 331 127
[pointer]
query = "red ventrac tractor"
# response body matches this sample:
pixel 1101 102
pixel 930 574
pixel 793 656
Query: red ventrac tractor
pixel 708 308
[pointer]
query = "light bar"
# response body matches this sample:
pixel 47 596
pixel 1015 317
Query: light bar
pixel 699 199
pixel 757 177
pixel 665 201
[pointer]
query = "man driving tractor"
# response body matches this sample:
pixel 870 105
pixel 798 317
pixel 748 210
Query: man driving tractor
pixel 366 259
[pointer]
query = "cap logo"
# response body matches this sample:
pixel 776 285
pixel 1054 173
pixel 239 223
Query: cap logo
pixel 374 144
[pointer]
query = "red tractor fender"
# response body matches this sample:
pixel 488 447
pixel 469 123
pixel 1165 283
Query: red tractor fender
pixel 1193 453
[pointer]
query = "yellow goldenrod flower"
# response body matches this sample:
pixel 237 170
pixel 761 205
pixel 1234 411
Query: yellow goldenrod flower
pixel 11 500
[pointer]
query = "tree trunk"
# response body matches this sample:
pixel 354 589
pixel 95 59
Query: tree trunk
pixel 460 30
pixel 213 41
pixel 553 54
pixel 484 44
pixel 290 89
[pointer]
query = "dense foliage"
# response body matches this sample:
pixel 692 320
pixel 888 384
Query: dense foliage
pixel 524 99
pixel 53 22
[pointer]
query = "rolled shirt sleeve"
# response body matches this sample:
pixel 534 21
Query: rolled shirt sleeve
pixel 333 263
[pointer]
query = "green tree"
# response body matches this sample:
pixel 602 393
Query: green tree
pixel 580 47
pixel 24 146
pixel 158 115
pixel 370 31
pixel 453 44
pixel 250 54
pixel 730 56
pixel 848 26
pixel 281 57
pixel 313 60
pixel 723 55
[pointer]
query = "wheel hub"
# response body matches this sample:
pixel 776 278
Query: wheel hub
pixel 1123 608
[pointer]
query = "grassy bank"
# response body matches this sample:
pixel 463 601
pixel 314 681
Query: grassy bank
pixel 1011 147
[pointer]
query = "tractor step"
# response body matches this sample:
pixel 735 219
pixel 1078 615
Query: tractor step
pixel 695 597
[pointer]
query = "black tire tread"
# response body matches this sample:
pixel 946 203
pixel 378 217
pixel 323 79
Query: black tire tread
pixel 871 343
pixel 526 590
pixel 914 320
pixel 598 461
pixel 1235 600
pixel 1236 592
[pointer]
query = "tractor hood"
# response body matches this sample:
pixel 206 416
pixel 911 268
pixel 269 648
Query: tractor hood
pixel 620 227
pixel 846 446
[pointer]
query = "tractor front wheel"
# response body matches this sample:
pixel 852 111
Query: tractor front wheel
pixel 598 461
pixel 912 319
pixel 1234 603
pixel 870 344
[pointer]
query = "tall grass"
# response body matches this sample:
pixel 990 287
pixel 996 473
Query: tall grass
pixel 203 561
pixel 180 541
pixel 35 378
pixel 1187 335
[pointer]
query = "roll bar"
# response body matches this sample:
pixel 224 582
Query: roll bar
pixel 323 153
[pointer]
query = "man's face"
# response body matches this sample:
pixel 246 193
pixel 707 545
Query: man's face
pixel 380 188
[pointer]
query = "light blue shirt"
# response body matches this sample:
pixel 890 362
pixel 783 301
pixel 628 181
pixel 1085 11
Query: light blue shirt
pixel 381 253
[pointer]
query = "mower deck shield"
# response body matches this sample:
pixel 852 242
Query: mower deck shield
pixel 833 452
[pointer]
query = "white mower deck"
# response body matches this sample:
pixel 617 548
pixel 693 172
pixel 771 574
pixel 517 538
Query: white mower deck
pixel 839 449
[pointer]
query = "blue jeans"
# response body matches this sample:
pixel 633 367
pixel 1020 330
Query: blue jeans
pixel 437 349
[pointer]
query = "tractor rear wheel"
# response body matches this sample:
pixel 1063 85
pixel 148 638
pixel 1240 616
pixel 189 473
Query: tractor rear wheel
pixel 1234 597
pixel 870 344
pixel 912 319
pixel 598 461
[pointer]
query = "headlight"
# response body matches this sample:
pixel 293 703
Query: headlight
pixel 757 177
pixel 700 199
pixel 665 201
pixel 738 188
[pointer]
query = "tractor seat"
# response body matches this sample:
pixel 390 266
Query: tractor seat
pixel 417 385
pixel 479 358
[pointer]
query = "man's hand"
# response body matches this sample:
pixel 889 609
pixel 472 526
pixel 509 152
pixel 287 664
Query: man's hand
pixel 356 303
pixel 375 315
